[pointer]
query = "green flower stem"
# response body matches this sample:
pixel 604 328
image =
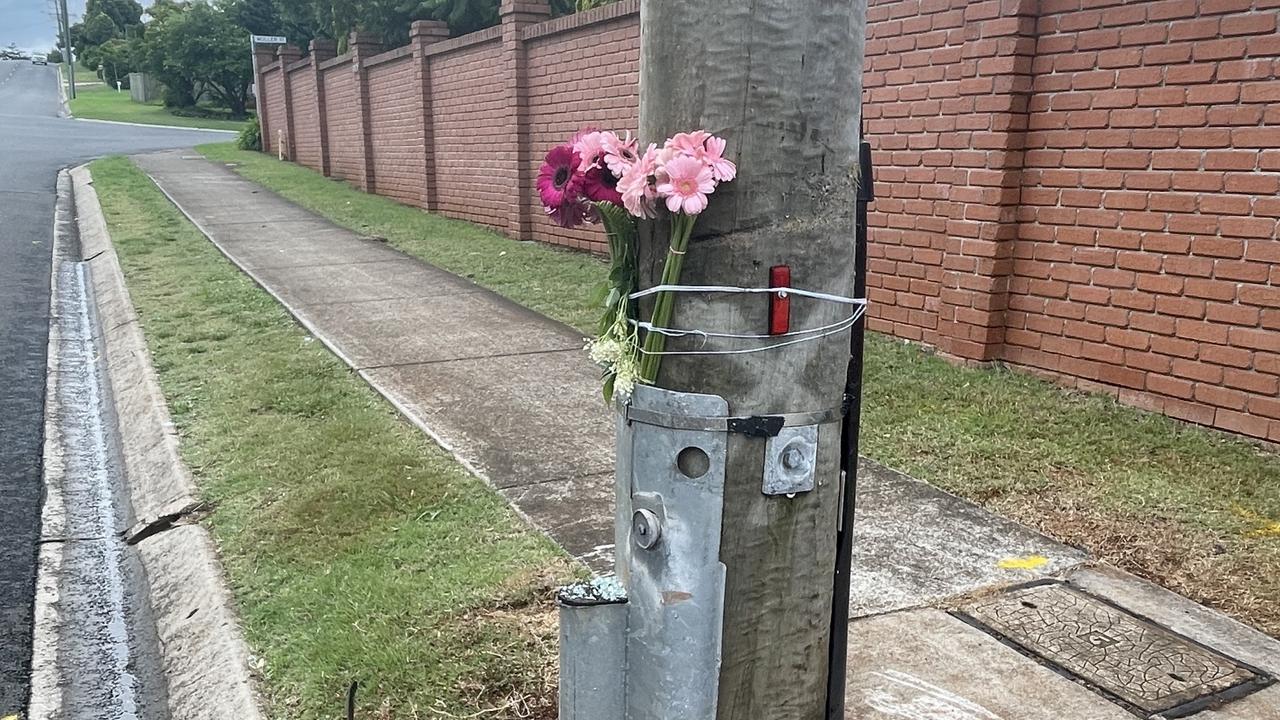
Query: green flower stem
pixel 655 342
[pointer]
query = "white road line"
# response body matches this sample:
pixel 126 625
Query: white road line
pixel 149 125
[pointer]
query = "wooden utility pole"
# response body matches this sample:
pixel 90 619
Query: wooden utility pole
pixel 781 81
pixel 64 22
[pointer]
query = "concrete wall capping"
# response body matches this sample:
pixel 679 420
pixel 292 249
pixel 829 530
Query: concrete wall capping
pixel 1088 194
pixel 465 41
pixel 343 59
pixel 390 56
pixel 303 64
pixel 565 23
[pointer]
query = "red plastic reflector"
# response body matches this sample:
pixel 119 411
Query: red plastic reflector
pixel 779 307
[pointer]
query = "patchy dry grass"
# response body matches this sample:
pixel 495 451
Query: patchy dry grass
pixel 1237 575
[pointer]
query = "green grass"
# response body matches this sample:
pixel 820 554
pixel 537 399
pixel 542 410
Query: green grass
pixel 99 102
pixel 554 282
pixel 356 548
pixel 1195 509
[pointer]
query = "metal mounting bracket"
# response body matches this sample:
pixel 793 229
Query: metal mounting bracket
pixel 790 459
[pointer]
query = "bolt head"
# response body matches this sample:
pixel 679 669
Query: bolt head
pixel 792 458
pixel 645 529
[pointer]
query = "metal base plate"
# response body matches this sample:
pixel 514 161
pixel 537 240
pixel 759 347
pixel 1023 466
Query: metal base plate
pixel 1137 664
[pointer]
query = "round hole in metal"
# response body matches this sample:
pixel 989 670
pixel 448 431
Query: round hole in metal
pixel 693 462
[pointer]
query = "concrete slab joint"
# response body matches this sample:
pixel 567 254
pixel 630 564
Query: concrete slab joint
pixel 202 663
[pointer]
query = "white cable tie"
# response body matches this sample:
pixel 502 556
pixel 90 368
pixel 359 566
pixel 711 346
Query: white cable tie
pixel 843 325
pixel 729 289
pixel 680 332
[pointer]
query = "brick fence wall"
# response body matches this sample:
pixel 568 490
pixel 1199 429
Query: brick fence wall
pixel 1086 189
pixel 458 125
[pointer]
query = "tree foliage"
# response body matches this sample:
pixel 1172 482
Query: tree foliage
pixel 106 22
pixel 94 30
pixel 388 20
pixel 200 48
pixel 124 14
pixel 200 51
pixel 115 60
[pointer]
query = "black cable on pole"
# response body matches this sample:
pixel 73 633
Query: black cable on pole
pixel 838 654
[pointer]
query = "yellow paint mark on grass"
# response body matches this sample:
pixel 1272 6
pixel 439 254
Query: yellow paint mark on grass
pixel 1268 528
pixel 1025 562
pixel 9 717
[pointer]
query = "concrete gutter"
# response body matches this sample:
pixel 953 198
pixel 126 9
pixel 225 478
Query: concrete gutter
pixel 205 666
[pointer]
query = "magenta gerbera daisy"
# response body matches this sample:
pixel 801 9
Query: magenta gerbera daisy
pixel 559 180
pixel 600 185
pixel 560 186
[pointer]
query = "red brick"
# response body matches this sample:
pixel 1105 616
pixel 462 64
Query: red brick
pixel 1180 306
pixel 1249 24
pixel 1248 227
pixel 1196 371
pixel 1261 295
pixel 1252 338
pixel 1251 381
pixel 1172 386
pixel 1221 397
pixel 1241 423
pixel 1227 356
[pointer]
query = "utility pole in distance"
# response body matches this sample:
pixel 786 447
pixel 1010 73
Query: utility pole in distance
pixel 65 21
pixel 781 81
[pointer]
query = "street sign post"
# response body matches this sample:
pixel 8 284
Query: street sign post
pixel 254 41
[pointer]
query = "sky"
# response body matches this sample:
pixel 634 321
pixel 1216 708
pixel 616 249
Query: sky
pixel 30 23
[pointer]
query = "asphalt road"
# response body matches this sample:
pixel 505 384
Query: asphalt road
pixel 34 145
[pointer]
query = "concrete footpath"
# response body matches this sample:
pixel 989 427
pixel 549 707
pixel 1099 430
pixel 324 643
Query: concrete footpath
pixel 957 614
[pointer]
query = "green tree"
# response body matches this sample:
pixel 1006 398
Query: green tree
pixel 161 9
pixel 115 61
pixel 95 29
pixel 201 47
pixel 54 56
pixel 260 17
pixel 124 14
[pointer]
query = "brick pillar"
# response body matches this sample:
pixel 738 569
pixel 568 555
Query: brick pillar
pixel 1000 44
pixel 364 46
pixel 288 54
pixel 516 16
pixel 322 50
pixel 264 56
pixel 421 34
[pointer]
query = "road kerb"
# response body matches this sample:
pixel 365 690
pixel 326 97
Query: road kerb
pixel 207 665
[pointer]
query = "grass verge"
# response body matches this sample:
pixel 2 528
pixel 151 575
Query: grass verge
pixel 554 282
pixel 1193 509
pixel 356 548
pixel 99 102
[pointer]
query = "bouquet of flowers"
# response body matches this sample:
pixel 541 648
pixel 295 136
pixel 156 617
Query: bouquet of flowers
pixel 599 176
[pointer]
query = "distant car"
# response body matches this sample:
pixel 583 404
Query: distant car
pixel 39 60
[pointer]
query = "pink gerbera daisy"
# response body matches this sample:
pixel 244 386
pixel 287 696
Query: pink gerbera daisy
pixel 590 144
pixel 687 185
pixel 705 147
pixel 721 169
pixel 620 153
pixel 638 184
pixel 689 143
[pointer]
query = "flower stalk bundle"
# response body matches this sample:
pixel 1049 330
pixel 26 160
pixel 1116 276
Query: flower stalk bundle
pixel 599 176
